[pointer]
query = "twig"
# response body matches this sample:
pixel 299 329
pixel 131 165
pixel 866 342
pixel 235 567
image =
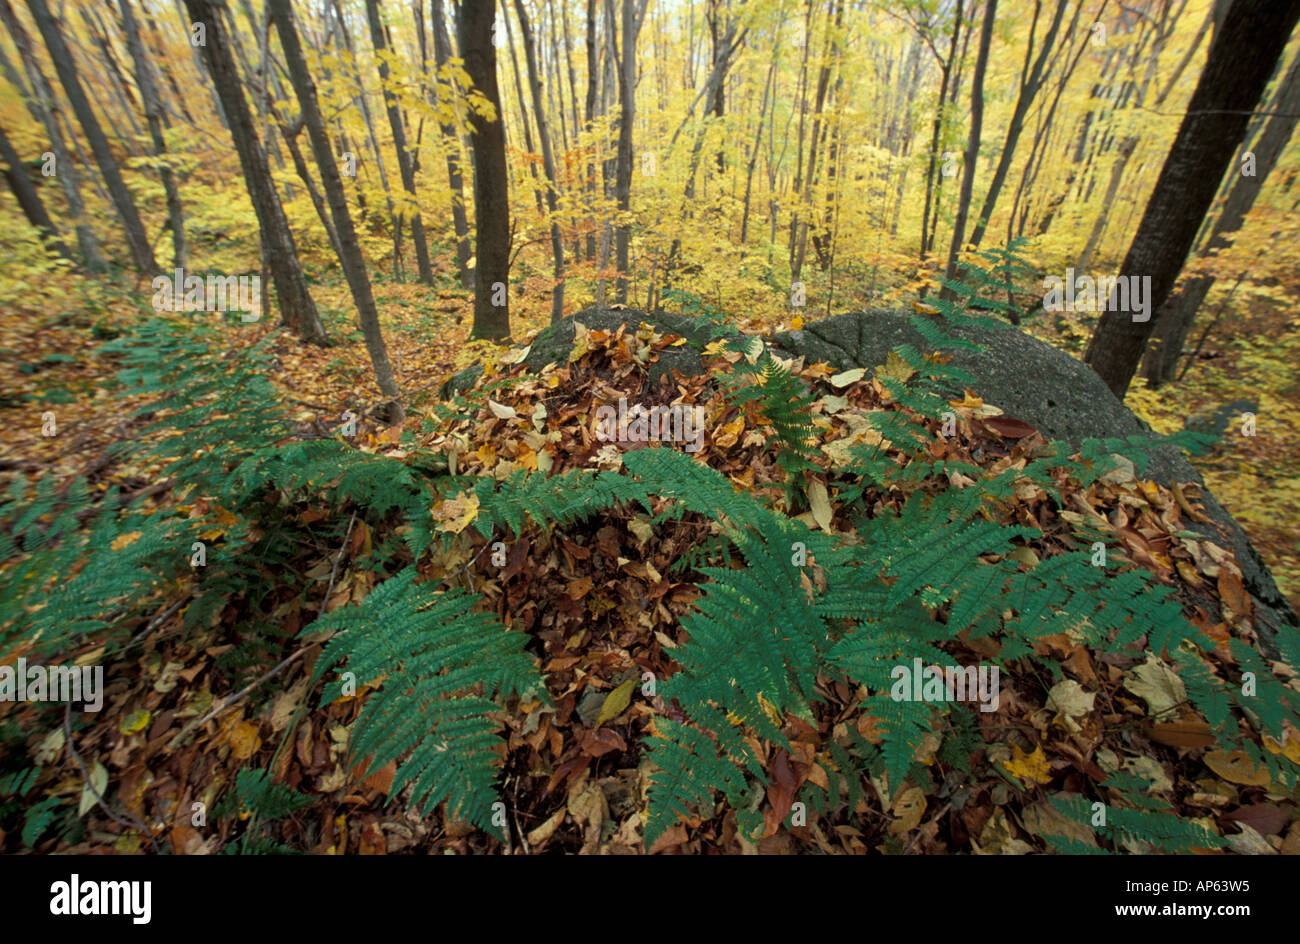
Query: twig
pixel 156 622
pixel 231 700
pixel 335 571
pixel 130 820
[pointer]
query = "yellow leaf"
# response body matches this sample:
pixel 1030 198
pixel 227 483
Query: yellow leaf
pixel 125 540
pixel 616 702
pixel 244 741
pixel 135 722
pixel 970 400
pixel 1237 768
pixel 909 807
pixel 924 309
pixel 455 514
pixel 844 378
pixel 1029 768
pixel 895 369
pixel 729 435
pixel 796 323
pixel 820 504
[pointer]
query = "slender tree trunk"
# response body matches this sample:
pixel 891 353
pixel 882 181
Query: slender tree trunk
pixel 153 117
pixel 548 162
pixel 831 47
pixel 1030 84
pixel 354 265
pixel 972 146
pixel 1244 54
pixel 115 80
pixel 296 305
pixel 137 240
pixel 758 141
pixel 623 182
pixel 491 205
pixel 441 56
pixel 935 130
pixel 399 142
pixel 44 106
pixel 589 113
pixel 29 201
pixel 393 215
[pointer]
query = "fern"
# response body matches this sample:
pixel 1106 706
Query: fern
pixel 437 663
pixel 257 794
pixel 1141 820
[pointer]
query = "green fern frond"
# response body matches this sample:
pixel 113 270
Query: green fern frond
pixel 430 652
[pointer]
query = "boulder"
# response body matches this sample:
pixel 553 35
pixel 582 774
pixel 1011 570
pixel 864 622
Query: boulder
pixel 1057 394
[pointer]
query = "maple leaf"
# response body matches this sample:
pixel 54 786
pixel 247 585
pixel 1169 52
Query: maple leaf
pixel 455 514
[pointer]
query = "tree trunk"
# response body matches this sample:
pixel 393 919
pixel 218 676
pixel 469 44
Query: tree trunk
pixel 799 244
pixel 589 114
pixel 399 143
pixel 1031 81
pixel 441 55
pixel 768 86
pixel 623 172
pixel 1245 51
pixel 474 21
pixel 393 215
pixel 972 146
pixel 44 107
pixel 548 162
pixel 296 305
pixel 1174 319
pixel 28 200
pixel 153 117
pixel 115 80
pixel 137 240
pixel 936 128
pixel 354 265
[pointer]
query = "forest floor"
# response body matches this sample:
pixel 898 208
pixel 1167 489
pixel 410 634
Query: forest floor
pixel 48 363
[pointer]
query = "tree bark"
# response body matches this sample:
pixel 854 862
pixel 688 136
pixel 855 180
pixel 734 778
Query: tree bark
pixel 153 117
pixel 354 265
pixel 404 167
pixel 44 106
pixel 631 22
pixel 1175 317
pixel 137 240
pixel 1244 54
pixel 455 181
pixel 972 146
pixel 474 21
pixel 296 305
pixel 548 162
pixel 28 200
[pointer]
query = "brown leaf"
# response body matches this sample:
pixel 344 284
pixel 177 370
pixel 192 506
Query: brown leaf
pixel 601 741
pixel 1233 593
pixel 1267 819
pixel 1182 734
pixel 780 793
pixel 1008 428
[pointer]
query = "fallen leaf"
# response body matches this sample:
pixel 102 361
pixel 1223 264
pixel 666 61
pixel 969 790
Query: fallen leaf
pixel 1237 768
pixel 616 702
